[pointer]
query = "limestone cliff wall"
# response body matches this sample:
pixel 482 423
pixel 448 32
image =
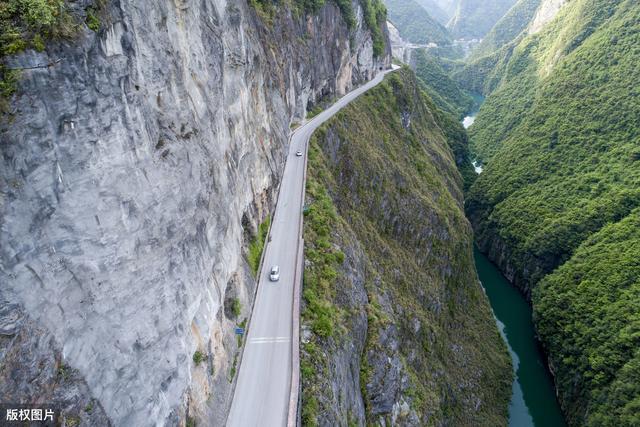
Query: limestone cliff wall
pixel 132 171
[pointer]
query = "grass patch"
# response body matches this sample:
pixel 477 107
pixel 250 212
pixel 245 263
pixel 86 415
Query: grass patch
pixel 64 372
pixel 92 20
pixel 236 307
pixel 234 368
pixel 314 112
pixel 72 420
pixel 310 412
pixel 8 84
pixel 198 357
pixel 323 260
pixel 257 246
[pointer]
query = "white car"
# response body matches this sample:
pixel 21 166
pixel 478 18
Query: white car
pixel 274 275
pixel 298 153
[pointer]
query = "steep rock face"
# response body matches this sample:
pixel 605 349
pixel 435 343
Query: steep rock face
pixel 397 329
pixel 399 48
pixel 133 169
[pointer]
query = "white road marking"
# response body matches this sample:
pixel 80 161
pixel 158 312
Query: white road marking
pixel 269 340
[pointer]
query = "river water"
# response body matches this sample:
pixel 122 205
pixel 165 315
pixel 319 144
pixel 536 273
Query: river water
pixel 533 399
pixel 468 121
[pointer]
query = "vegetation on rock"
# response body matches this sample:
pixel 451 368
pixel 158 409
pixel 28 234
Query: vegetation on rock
pixel 254 255
pixel 375 14
pixel 507 28
pixel 24 24
pixel 198 357
pixel 29 24
pixel 389 271
pixel 445 92
pixel 415 24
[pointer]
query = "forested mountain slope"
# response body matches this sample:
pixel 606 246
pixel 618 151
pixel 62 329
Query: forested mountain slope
pixel 556 207
pixel 415 24
pixel 445 92
pixel 488 68
pixel 588 314
pixel 435 11
pixel 507 28
pixel 474 18
pixel 396 327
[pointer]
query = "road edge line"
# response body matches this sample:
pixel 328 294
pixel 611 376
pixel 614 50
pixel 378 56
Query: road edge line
pixel 294 391
pixel 255 292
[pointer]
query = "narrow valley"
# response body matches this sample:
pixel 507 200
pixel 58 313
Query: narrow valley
pixel 320 213
pixel 555 145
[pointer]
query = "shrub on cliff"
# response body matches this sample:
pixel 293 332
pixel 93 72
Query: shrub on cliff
pixel 389 282
pixel 28 24
pixel 375 14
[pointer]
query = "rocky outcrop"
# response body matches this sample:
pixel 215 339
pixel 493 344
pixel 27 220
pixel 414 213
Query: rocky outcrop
pixel 399 47
pixel 132 170
pixel 546 12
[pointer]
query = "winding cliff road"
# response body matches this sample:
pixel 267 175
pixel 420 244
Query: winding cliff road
pixel 265 394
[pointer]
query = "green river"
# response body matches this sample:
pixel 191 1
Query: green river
pixel 533 400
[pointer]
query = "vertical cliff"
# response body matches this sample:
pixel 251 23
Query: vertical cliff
pixel 138 159
pixel 396 327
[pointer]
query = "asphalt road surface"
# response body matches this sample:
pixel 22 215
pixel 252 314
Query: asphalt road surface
pixel 262 392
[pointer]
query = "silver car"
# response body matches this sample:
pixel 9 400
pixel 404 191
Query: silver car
pixel 274 276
